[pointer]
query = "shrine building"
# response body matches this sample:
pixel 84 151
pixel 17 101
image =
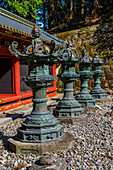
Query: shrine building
pixel 13 90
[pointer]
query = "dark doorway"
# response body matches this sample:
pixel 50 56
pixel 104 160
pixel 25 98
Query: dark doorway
pixel 6 83
pixel 24 72
pixel 51 69
pixel 51 73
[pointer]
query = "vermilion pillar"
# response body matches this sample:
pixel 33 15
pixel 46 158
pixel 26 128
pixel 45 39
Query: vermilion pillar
pixel 16 76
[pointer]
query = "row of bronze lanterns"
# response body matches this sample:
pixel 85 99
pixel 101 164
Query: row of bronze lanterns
pixel 70 106
pixel 41 126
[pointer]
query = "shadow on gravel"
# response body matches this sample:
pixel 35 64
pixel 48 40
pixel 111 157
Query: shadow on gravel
pixel 57 99
pixel 15 116
pixel 5 138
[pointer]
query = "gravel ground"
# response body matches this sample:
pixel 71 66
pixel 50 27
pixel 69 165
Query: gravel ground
pixel 93 148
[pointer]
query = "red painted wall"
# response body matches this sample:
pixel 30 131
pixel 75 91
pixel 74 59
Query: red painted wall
pixel 16 99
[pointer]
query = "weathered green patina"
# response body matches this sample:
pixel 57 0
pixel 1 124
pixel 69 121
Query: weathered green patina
pixel 40 126
pixel 83 97
pixel 97 92
pixel 68 106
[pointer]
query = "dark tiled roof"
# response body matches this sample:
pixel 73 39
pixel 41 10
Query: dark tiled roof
pixel 14 22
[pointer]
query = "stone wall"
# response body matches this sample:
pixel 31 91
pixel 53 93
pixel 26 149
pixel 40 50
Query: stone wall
pixel 96 38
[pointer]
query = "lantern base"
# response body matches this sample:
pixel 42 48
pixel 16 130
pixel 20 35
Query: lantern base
pixel 85 99
pixel 87 102
pixel 99 96
pixel 40 148
pixel 68 108
pixel 98 93
pixel 68 112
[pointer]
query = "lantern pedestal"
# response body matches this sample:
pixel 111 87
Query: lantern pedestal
pixel 68 107
pixel 97 92
pixel 39 149
pixel 40 126
pixel 83 97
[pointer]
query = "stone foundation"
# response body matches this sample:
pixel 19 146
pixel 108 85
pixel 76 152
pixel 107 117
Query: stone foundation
pixel 73 120
pixel 59 165
pixel 40 148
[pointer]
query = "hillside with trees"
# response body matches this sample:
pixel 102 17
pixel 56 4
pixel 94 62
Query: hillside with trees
pixel 78 13
pixel 62 15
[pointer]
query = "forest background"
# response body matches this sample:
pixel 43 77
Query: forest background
pixel 61 15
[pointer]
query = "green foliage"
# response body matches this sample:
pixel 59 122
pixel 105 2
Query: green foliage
pixel 25 8
pixel 59 86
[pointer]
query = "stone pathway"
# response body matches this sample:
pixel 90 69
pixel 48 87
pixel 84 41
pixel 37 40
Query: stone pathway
pixel 93 148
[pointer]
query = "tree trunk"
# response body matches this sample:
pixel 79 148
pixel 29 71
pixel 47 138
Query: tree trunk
pixel 82 7
pixel 49 15
pixel 95 6
pixel 44 12
pixel 78 8
pixel 71 9
pixel 53 15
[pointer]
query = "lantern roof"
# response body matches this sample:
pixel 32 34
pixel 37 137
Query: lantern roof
pixel 85 58
pixel 96 59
